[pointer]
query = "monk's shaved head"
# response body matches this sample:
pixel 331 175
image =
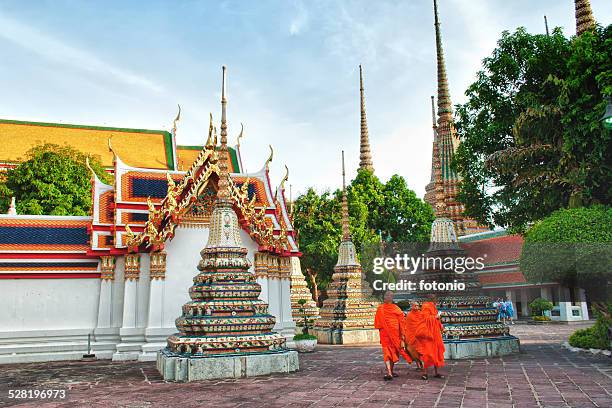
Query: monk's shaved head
pixel 388 297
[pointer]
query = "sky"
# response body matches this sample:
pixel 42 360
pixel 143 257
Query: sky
pixel 293 77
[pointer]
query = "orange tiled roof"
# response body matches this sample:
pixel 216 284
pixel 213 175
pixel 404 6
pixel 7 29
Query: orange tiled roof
pixel 501 278
pixel 499 249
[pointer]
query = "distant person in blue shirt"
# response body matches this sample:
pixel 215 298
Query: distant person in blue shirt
pixel 508 311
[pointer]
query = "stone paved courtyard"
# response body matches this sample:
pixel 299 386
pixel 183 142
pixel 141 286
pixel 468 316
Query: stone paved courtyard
pixel 543 375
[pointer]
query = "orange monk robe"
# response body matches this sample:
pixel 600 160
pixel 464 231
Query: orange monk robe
pixel 410 324
pixel 428 333
pixel 389 321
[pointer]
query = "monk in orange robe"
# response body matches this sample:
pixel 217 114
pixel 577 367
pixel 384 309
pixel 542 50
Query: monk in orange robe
pixel 410 323
pixel 429 343
pixel 389 321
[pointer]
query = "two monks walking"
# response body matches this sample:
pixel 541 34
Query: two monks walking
pixel 416 337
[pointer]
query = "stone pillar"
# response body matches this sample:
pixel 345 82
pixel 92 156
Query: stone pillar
pixel 261 273
pixel 511 297
pixel 565 304
pixel 155 336
pixel 129 348
pixel 525 302
pixel 105 335
pixel 284 297
pixel 583 304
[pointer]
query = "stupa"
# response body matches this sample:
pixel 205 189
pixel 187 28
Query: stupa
pixel 299 291
pixel 347 315
pixel 469 318
pixel 225 331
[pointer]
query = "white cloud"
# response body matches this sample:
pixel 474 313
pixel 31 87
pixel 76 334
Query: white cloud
pixel 300 20
pixel 57 51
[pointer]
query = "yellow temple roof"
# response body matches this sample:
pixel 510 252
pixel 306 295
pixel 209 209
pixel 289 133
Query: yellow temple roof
pixel 188 154
pixel 136 147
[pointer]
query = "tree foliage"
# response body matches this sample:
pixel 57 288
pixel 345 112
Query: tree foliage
pixel 572 247
pixel 530 133
pixel 390 210
pixel 53 180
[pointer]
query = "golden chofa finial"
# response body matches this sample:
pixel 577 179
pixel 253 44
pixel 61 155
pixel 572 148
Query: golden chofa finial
pixel 178 117
pixel 240 135
pixel 171 183
pixel 110 146
pixel 267 165
pixel 209 140
pixel 284 180
pixel 89 165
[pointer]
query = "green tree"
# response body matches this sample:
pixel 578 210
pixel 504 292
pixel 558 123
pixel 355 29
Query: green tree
pixel 317 219
pixel 530 132
pixel 53 180
pixel 390 210
pixel 573 247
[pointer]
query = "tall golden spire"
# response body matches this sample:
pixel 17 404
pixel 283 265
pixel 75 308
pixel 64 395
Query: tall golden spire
pixel 584 16
pixel 365 155
pixel 444 102
pixel 223 193
pixel 346 235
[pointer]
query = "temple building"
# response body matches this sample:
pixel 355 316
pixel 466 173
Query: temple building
pixel 347 315
pixel 122 274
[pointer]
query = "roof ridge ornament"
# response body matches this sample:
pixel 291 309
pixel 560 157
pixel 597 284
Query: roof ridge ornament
pixel 240 135
pixel 269 160
pixel 209 140
pixel 176 119
pixel 282 183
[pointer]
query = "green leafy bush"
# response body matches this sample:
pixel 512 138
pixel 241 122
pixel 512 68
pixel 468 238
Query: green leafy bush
pixel 52 180
pixel 595 336
pixel 539 305
pixel 303 336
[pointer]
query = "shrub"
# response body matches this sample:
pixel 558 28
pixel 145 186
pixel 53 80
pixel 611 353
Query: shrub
pixel 539 305
pixel 303 336
pixel 541 318
pixel 595 336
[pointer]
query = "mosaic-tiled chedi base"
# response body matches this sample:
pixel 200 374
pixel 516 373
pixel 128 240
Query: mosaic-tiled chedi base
pixel 225 330
pixel 469 318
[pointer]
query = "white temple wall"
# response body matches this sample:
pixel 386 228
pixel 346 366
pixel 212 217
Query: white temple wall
pixel 183 255
pixel 46 319
pixel 37 305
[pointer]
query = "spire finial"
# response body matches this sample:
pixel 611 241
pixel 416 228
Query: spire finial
pixel 365 155
pixel 584 16
pixel 433 111
pixel 223 193
pixel 346 235
pixel 546 26
pixel 444 101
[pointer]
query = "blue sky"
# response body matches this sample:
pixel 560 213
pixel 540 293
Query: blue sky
pixel 292 66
